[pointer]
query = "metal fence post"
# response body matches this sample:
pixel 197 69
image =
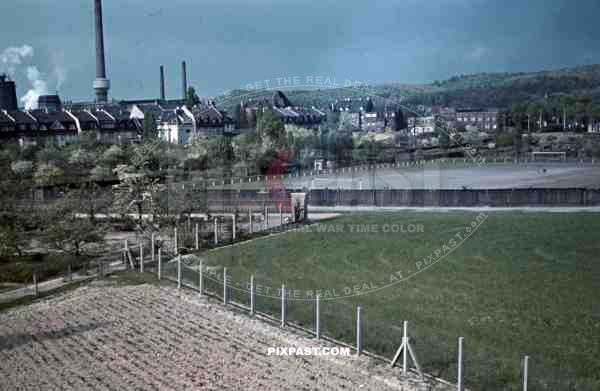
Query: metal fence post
pixel 200 279
pixel 178 271
pixel 197 238
pixel 252 295
pixel 358 330
pixel 233 228
pixel 282 305
pixel 152 247
pixel 250 218
pixel 175 241
pixel 141 257
pixel 266 217
pixel 459 384
pixel 525 372
pixel 216 237
pixel 405 351
pixel 35 283
pixel 159 262
pixel 318 319
pixel 126 254
pixel 225 285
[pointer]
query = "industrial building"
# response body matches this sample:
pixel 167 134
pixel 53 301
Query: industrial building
pixel 110 121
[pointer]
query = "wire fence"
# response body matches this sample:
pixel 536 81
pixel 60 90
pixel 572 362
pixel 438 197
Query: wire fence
pixel 410 346
pixel 435 355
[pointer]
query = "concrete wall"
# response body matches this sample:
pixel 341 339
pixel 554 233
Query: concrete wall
pixel 226 200
pixel 456 198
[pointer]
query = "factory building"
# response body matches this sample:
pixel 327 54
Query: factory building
pixel 8 93
pixel 108 121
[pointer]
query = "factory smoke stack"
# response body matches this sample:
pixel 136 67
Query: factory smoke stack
pixel 101 84
pixel 184 79
pixel 8 94
pixel 162 83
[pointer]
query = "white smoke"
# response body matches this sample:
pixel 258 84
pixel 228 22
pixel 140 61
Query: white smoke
pixel 60 74
pixel 59 68
pixel 13 56
pixel 30 99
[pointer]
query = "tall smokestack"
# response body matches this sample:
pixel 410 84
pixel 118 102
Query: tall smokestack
pixel 162 83
pixel 184 79
pixel 101 84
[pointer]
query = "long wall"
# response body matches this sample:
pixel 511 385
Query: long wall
pixel 446 198
pixel 457 197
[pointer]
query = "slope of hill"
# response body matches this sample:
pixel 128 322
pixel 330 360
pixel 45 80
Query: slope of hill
pixel 476 90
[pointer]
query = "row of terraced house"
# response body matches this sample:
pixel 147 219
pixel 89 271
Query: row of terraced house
pixel 119 122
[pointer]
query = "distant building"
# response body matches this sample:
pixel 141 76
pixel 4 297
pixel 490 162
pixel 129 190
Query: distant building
pixel 484 119
pixel 58 126
pixel 305 117
pixel 363 114
pixel 421 125
pixel 179 124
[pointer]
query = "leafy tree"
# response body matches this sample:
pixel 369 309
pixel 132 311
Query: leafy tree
pixel 135 189
pixel 369 105
pixel 504 140
pixel 240 117
pixel 271 129
pixel 149 127
pixel 48 174
pixel 50 154
pixel 15 220
pixel 191 99
pixel 22 168
pixel 112 157
pixel 70 234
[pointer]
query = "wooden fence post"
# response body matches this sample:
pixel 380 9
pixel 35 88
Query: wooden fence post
pixel 358 330
pixel 283 305
pixel 459 384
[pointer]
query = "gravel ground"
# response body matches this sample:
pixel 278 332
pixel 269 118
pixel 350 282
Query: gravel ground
pixel 146 337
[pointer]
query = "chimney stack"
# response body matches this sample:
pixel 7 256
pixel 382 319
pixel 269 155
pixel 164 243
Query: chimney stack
pixel 101 84
pixel 184 79
pixel 162 83
pixel 8 94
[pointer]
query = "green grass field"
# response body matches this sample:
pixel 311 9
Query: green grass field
pixel 522 283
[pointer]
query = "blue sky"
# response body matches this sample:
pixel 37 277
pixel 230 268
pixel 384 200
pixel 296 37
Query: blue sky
pixel 230 43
